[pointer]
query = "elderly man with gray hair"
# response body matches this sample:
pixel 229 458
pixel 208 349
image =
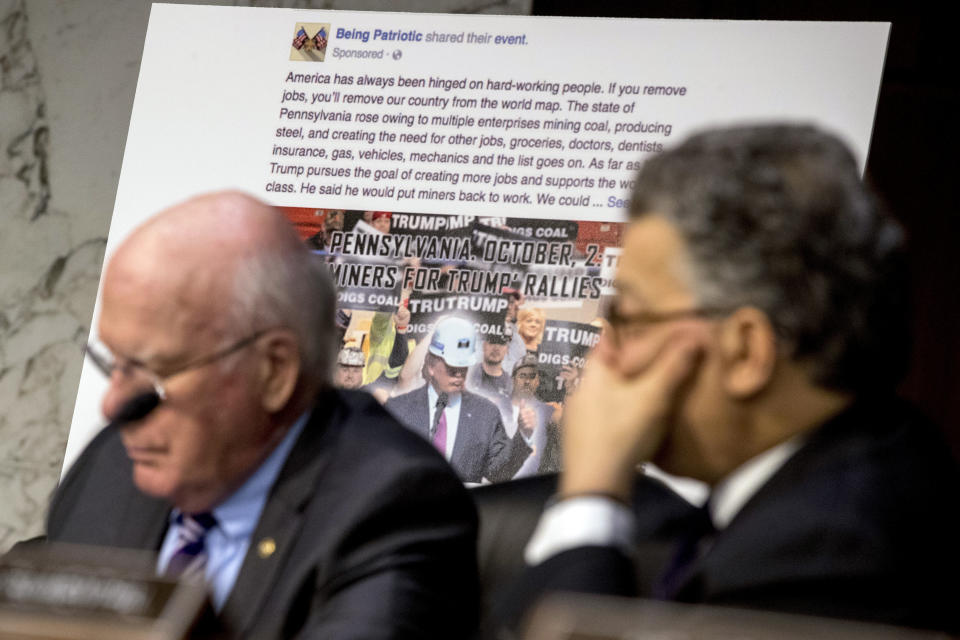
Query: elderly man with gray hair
pixel 753 344
pixel 307 510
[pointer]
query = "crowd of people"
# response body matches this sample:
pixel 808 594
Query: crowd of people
pixel 498 368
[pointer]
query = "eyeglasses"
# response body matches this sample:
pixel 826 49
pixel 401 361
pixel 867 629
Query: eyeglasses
pixel 626 326
pixel 107 363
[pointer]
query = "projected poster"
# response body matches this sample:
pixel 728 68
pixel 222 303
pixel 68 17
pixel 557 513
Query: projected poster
pixel 454 165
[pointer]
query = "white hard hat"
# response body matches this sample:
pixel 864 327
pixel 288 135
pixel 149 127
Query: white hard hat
pixel 351 357
pixel 454 340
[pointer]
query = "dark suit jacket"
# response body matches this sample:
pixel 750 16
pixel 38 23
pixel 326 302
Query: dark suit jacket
pixel 482 448
pixel 375 537
pixel 861 523
pixel 509 513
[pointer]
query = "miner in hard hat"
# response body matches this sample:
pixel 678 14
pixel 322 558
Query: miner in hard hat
pixel 465 427
pixel 350 363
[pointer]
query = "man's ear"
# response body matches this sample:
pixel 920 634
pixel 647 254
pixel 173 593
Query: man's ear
pixel 279 369
pixel 748 348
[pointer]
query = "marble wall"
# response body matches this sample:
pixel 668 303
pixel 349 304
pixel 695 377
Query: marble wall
pixel 68 73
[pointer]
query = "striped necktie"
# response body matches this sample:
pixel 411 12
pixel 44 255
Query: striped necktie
pixel 190 557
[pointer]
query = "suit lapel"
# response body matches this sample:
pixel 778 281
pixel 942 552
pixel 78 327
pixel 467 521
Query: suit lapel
pixel 780 500
pixel 282 518
pixel 145 523
pixel 422 408
pixel 826 440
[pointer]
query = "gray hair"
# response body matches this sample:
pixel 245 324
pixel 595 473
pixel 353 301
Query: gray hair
pixel 778 218
pixel 293 289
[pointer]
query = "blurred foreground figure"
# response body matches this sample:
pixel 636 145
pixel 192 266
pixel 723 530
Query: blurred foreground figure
pixel 754 344
pixel 308 510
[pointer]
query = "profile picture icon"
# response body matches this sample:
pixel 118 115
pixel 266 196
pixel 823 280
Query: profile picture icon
pixel 310 41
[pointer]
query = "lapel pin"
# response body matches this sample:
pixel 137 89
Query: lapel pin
pixel 266 547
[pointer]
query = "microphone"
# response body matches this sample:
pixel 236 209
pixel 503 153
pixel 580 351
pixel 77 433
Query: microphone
pixel 136 408
pixel 441 405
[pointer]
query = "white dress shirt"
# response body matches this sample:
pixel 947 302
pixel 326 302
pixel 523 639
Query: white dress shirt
pixel 599 521
pixel 226 543
pixel 451 411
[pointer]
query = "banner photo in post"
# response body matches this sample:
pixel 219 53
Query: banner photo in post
pixel 469 165
pixel 398 274
pixel 433 264
pixel 561 356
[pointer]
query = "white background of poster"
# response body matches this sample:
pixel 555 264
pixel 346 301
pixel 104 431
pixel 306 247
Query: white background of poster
pixel 212 78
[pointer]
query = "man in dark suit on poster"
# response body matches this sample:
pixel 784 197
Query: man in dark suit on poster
pixel 464 426
pixel 307 510
pixel 754 343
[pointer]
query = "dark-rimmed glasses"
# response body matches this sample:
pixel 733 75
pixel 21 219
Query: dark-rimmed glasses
pixel 626 325
pixel 107 363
